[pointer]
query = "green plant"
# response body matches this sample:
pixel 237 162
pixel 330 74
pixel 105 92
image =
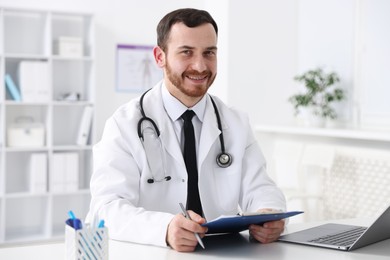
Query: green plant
pixel 319 94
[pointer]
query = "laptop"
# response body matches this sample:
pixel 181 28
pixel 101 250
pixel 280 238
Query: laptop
pixel 341 236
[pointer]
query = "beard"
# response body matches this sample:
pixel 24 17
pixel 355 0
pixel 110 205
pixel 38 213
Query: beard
pixel 195 90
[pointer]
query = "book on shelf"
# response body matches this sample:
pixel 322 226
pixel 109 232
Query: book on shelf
pixel 12 88
pixel 72 172
pixel 38 173
pixel 57 175
pixel 65 172
pixel 85 126
pixel 34 81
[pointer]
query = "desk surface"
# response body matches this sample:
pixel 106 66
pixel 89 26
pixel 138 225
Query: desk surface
pixel 235 246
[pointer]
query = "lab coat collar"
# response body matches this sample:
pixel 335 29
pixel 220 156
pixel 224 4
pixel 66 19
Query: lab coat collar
pixel 175 108
pixel 204 110
pixel 209 132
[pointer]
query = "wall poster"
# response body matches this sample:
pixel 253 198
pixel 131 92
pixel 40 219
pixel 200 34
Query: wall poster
pixel 136 69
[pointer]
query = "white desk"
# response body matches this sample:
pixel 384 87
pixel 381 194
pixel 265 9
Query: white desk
pixel 224 247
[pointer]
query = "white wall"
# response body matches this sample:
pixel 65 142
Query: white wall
pixel 263 58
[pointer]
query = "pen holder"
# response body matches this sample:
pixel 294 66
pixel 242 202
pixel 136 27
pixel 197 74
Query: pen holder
pixel 86 243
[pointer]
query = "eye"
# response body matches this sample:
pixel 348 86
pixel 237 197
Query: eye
pixel 187 52
pixel 210 53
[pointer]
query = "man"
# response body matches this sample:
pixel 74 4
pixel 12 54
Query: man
pixel 140 174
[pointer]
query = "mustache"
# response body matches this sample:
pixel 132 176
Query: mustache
pixel 197 73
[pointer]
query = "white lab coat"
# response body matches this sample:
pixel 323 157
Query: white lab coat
pixel 137 211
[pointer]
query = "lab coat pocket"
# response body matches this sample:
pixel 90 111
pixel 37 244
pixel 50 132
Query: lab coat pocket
pixel 227 182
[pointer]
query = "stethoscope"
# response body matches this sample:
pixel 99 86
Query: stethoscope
pixel 223 159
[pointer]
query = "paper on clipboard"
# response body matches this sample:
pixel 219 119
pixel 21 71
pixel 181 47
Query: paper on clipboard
pixel 238 223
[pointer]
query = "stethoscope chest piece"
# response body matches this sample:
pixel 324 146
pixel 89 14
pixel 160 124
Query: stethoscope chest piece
pixel 224 160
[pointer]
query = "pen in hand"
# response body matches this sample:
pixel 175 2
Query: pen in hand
pixel 188 217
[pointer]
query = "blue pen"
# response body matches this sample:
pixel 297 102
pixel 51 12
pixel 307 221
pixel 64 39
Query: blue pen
pixel 71 215
pixel 101 224
pixel 75 221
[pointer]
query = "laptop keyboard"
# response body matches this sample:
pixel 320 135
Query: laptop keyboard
pixel 344 238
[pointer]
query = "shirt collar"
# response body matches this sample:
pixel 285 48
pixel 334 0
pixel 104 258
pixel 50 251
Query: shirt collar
pixel 175 108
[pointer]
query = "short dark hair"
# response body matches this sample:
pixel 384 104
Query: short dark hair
pixel 189 16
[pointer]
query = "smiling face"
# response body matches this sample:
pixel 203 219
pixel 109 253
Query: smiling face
pixel 189 61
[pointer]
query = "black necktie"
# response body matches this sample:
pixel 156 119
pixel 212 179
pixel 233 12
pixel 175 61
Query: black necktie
pixel 193 199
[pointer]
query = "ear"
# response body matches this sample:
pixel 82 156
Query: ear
pixel 159 56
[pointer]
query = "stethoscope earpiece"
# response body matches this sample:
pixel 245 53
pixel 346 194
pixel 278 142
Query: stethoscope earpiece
pixel 224 160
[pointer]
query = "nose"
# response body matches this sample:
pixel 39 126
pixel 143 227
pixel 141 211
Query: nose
pixel 199 63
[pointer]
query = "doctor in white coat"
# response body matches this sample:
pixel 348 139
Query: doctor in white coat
pixel 138 183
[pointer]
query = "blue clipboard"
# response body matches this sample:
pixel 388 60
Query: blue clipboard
pixel 234 224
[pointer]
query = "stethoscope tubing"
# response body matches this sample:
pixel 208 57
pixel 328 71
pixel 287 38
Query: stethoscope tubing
pixel 223 159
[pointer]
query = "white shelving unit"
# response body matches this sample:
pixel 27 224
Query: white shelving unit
pixel 31 35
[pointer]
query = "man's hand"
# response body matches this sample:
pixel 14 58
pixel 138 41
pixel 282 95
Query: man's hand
pixel 268 232
pixel 180 233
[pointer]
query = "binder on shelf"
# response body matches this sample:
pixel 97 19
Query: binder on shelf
pixel 72 172
pixel 12 88
pixel 85 126
pixel 57 176
pixel 34 81
pixel 38 173
pixel 65 172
